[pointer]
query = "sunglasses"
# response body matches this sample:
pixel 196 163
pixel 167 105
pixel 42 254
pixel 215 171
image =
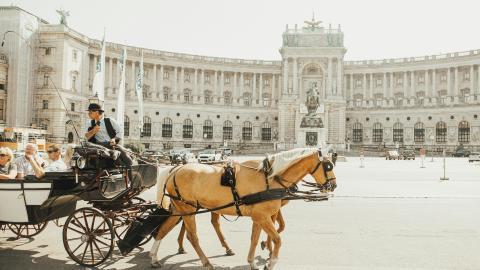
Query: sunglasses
pixel 51 151
pixel 3 155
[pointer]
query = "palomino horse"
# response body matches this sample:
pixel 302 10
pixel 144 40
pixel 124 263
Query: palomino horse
pixel 215 220
pixel 196 186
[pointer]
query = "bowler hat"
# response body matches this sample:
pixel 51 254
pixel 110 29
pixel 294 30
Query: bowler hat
pixel 95 107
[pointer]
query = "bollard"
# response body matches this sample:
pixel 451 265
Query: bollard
pixel 444 178
pixel 361 160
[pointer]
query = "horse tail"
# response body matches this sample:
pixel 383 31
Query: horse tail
pixel 162 175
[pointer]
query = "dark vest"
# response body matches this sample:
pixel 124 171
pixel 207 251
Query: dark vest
pixel 110 130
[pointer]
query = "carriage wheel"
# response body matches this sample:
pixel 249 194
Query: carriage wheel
pixel 27 231
pixel 88 237
pixel 121 225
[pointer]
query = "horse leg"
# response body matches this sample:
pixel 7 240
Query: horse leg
pixel 269 228
pixel 256 229
pixel 216 225
pixel 181 236
pixel 165 228
pixel 268 243
pixel 191 228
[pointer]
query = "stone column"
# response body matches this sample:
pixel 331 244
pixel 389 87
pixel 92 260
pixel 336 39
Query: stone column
pixel 295 76
pixel 412 80
pixel 273 89
pixel 455 82
pixel 154 80
pixel 478 79
pixel 405 88
pixel 434 83
pixel 472 77
pixel 215 83
pixel 364 85
pixel 235 90
pixel 260 92
pixel 339 89
pixel 202 82
pixel 254 89
pixel 182 79
pixel 195 83
pixel 352 86
pixel 384 84
pixel 427 82
pixel 329 80
pixel 449 82
pixel 285 76
pixel 242 85
pixel 222 83
pixel 390 94
pixel 160 90
pixel 372 80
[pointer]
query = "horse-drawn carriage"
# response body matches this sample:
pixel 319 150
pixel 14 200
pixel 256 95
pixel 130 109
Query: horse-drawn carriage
pixel 89 233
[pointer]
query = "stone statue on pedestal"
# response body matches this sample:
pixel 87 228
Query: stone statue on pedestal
pixel 312 119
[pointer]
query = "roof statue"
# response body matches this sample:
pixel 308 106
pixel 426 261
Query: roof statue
pixel 312 25
pixel 63 16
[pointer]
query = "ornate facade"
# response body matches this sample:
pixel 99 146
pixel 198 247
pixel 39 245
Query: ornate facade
pixel 310 97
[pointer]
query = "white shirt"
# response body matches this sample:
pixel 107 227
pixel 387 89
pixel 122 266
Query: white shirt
pixel 102 135
pixel 24 166
pixel 56 166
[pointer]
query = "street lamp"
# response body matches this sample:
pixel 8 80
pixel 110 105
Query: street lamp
pixel 94 99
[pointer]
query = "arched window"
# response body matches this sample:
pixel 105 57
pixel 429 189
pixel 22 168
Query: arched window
pixel 377 135
pixel 357 132
pixel 247 131
pixel 247 99
pixel 266 132
pixel 167 128
pixel 208 129
pixel 464 132
pixel 441 132
pixel 147 127
pixel 187 129
pixel 227 130
pixel 227 97
pixel 398 132
pixel 419 133
pixel 126 126
pixel 208 97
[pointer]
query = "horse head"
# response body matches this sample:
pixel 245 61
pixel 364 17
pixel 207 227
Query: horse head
pixel 322 172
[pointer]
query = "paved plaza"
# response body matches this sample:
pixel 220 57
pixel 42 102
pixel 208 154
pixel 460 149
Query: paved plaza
pixel 387 215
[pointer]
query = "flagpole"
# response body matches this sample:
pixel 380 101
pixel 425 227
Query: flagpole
pixel 121 93
pixel 139 91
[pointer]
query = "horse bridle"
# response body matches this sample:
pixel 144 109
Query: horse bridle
pixel 327 166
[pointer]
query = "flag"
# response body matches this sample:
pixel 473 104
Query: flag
pixel 99 78
pixel 121 92
pixel 139 91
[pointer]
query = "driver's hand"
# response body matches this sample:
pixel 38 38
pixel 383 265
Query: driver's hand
pixel 113 142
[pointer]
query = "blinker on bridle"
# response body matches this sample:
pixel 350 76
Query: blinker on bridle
pixel 327 166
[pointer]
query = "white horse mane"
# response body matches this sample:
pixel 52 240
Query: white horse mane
pixel 281 161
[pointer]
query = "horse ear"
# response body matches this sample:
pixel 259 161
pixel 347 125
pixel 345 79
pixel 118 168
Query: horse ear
pixel 320 156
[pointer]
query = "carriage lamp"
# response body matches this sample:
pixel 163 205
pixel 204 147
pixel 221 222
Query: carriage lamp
pixel 78 162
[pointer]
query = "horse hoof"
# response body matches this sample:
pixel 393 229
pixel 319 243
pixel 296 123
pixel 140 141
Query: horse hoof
pixel 263 245
pixel 230 252
pixel 181 251
pixel 155 265
pixel 209 266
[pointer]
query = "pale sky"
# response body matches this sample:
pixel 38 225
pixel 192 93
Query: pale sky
pixel 252 29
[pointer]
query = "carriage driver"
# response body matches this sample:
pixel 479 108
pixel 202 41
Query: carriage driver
pixel 105 131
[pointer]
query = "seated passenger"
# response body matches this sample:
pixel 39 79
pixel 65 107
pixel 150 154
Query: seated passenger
pixel 67 157
pixel 25 162
pixel 56 163
pixel 8 169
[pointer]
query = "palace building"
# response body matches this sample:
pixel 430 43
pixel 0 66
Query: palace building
pixel 310 96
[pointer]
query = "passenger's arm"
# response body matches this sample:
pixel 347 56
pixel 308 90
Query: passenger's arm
pixel 39 172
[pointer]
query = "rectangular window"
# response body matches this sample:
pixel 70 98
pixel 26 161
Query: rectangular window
pixel 187 77
pixel 48 51
pixel 74 82
pixel 266 134
pixel 466 76
pixel 419 135
pixel 247 82
pixel 377 135
pixel 208 132
pixel 44 104
pixel 166 130
pixel 266 82
pixel 75 55
pixel 379 82
pixel 358 83
pixel 72 106
pixel 443 78
pixel 166 75
pixel 187 131
pixel 207 78
pixel 357 135
pixel 2 86
pixel 2 109
pixel 247 133
pixel 227 79
pixel 46 78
